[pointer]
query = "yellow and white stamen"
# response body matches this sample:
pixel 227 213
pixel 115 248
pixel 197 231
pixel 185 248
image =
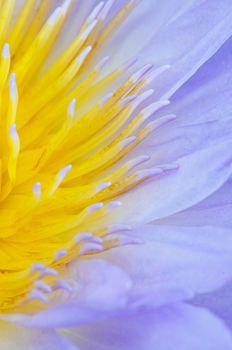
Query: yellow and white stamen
pixel 65 129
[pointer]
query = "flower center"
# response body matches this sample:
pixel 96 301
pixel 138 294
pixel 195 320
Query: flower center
pixel 63 140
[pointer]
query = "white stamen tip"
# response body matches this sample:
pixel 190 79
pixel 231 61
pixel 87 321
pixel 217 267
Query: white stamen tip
pixel 137 161
pixel 62 284
pixel 36 188
pixel 157 72
pixel 140 73
pixel 169 167
pixel 54 16
pixel 72 107
pixel 84 54
pixel 13 86
pixel 43 286
pixel 13 131
pixel 127 141
pixel 83 236
pixel 103 185
pixel 64 171
pixel 66 5
pixel 96 11
pixel 142 97
pixel 37 267
pixel 88 30
pixel 118 239
pixel 114 205
pixel 60 254
pixel 87 237
pixel 6 51
pixel 106 9
pixel 90 248
pixel 95 207
pixel 154 107
pixel 127 100
pixel 48 271
pixel 37 295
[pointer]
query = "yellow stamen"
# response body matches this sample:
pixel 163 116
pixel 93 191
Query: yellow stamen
pixel 64 112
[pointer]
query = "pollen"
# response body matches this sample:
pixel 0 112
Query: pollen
pixel 67 135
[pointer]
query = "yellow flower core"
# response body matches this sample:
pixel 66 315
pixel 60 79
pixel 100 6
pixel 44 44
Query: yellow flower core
pixel 62 135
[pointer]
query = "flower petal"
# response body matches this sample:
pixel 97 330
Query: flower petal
pixel 218 302
pixel 203 110
pixel 172 265
pixel 199 175
pixel 184 35
pixel 179 327
pixel 193 259
pixel 99 290
pixel 214 210
pixel 207 95
pixel 189 41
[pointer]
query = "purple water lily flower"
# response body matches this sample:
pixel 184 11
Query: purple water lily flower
pixel 115 164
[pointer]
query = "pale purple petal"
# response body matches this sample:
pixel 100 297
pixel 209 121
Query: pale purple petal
pixel 179 327
pixel 203 110
pixel 99 289
pixel 219 302
pixel 184 35
pixel 199 175
pixel 189 41
pixel 172 265
pixel 193 259
pixel 215 210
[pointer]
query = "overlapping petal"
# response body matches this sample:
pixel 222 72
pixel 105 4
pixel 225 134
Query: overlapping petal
pixel 173 327
pixel 214 210
pixel 199 175
pixel 172 265
pixel 184 35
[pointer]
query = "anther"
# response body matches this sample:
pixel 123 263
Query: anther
pixel 154 107
pixel 54 16
pixel 60 254
pixel 103 185
pixel 62 284
pixel 6 51
pixel 13 86
pixel 59 178
pixel 37 295
pixel 48 271
pixel 137 161
pixel 94 207
pixel 114 205
pixel 43 286
pixel 36 188
pixel 72 107
pixel 96 11
pixel 140 73
pixel 89 247
pixel 127 142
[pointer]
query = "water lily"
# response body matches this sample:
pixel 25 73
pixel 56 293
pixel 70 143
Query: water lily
pixel 115 161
